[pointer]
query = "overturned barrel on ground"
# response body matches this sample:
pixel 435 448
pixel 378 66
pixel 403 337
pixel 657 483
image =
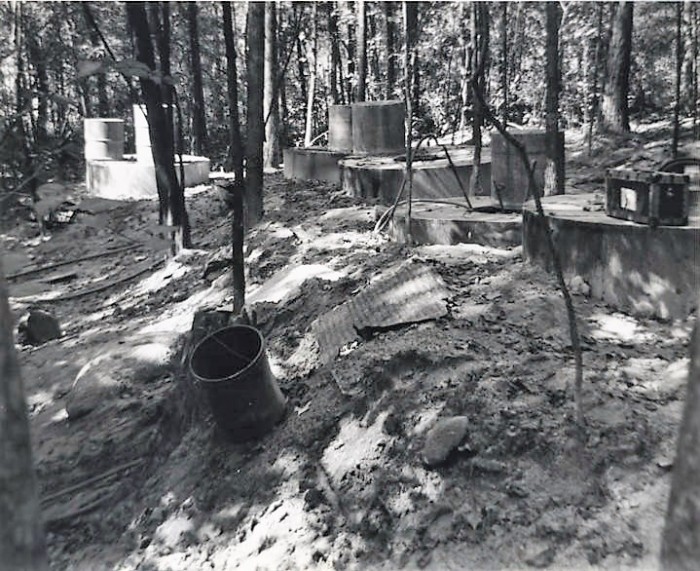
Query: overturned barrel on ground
pixel 509 181
pixel 232 366
pixel 378 127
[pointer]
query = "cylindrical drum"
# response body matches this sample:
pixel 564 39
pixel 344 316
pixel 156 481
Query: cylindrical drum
pixel 509 182
pixel 378 127
pixel 232 366
pixel 104 139
pixel 340 128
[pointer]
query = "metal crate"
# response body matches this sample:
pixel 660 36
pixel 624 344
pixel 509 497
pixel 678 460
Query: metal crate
pixel 647 197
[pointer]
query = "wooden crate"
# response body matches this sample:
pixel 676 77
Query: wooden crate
pixel 648 197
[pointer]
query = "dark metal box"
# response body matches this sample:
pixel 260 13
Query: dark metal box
pixel 648 197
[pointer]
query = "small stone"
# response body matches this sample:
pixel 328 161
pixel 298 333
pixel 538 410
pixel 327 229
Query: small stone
pixel 542 559
pixel 94 385
pixel 38 327
pixel 443 438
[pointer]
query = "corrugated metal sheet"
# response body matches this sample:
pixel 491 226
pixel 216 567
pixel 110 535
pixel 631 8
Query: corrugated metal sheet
pixel 409 294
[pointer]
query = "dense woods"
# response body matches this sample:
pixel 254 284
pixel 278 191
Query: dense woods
pixel 618 62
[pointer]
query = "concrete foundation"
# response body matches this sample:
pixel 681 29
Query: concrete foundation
pixel 449 222
pixel 131 179
pixel 380 177
pixel 312 163
pixel 633 267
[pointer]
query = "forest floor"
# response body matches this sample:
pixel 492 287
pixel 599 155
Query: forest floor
pixel 132 477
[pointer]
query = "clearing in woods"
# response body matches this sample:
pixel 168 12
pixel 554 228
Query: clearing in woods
pixel 132 478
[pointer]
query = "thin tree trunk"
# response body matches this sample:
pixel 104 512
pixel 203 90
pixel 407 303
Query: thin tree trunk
pixel 311 95
pixel 234 158
pixel 300 56
pixel 234 161
pixel 694 105
pixel 335 52
pixel 554 184
pixel 373 66
pixel 504 61
pixel 680 549
pixel 679 71
pixel 271 152
pixel 595 66
pixel 159 14
pixel 411 15
pixel 170 193
pixel 465 38
pixel 22 542
pixel 361 94
pixel 615 107
pixel 390 32
pixel 100 78
pixel 350 77
pixel 255 130
pixel 479 41
pixel 199 121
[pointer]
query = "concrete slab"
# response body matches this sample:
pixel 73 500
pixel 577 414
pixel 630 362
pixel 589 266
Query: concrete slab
pixel 312 163
pixel 133 180
pixel 449 222
pixel 380 177
pixel 633 267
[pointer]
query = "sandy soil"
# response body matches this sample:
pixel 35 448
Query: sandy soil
pixel 135 475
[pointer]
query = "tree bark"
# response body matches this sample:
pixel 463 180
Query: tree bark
pixel 479 23
pixel 311 91
pixel 615 108
pixel 554 183
pixel 22 542
pixel 271 152
pixel 100 78
pixel 255 124
pixel 679 71
pixel 300 53
pixel 594 66
pixel 199 120
pixel 680 549
pixel 350 78
pixel 390 32
pixel 159 14
pixel 234 158
pixel 335 52
pixel 170 193
pixel 504 61
pixel 361 86
pixel 411 15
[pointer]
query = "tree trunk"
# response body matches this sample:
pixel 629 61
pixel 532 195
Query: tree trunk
pixel 300 54
pixel 479 24
pixel 465 38
pixel 199 121
pixel 41 81
pixel 680 549
pixel 409 58
pixel 593 98
pixel 554 177
pixel 373 60
pixel 159 14
pixel 234 158
pixel 504 61
pixel 100 78
pixel 679 71
pixel 271 152
pixel 615 108
pixel 335 52
pixel 255 124
pixel 694 90
pixel 311 94
pixel 361 94
pixel 170 193
pixel 22 543
pixel 411 15
pixel 350 78
pixel 390 32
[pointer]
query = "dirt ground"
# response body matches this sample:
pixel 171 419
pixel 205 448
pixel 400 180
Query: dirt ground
pixel 134 473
